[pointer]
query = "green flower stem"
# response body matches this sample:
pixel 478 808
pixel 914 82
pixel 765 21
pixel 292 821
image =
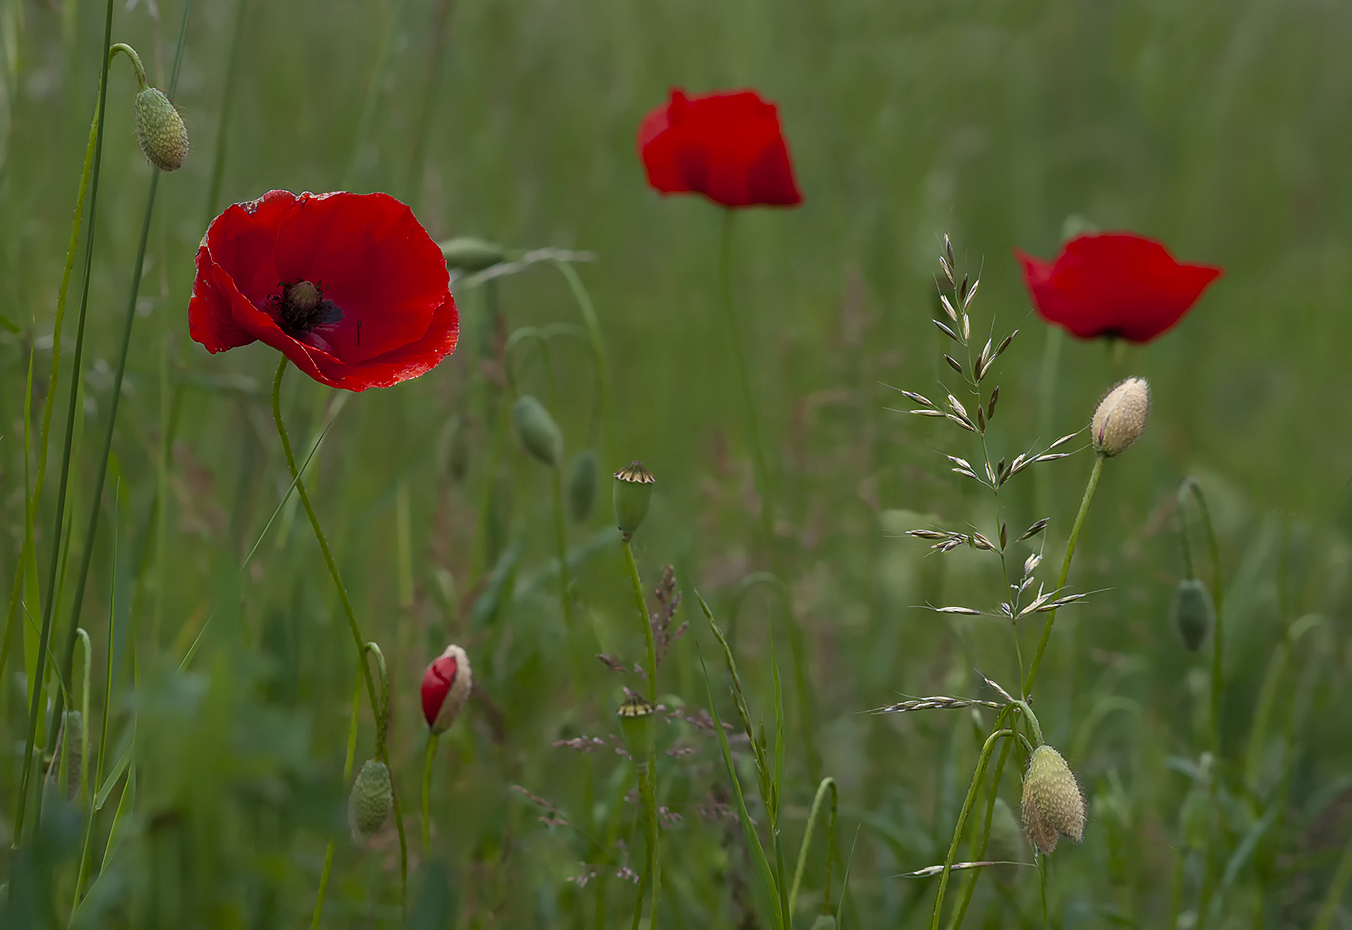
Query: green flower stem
pixel 383 712
pixel 796 646
pixel 647 784
pixel 1065 572
pixel 977 777
pixel 45 632
pixel 130 52
pixel 347 777
pixel 427 791
pixel 641 604
pixel 347 609
pixel 980 842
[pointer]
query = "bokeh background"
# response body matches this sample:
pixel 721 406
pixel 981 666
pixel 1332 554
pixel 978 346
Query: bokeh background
pixel 1217 127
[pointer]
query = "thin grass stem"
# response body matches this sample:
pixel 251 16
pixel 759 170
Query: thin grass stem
pixel 807 841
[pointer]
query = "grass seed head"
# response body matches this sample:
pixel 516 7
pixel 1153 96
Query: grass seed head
pixel 633 492
pixel 1192 612
pixel 1053 804
pixel 160 130
pixel 1120 417
pixel 369 804
pixel 540 435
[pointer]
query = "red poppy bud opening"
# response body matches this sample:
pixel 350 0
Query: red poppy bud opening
pixel 445 688
pixel 727 146
pixel 349 287
pixel 1114 284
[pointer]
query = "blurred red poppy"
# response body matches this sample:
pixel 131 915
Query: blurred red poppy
pixel 727 146
pixel 349 287
pixel 1114 284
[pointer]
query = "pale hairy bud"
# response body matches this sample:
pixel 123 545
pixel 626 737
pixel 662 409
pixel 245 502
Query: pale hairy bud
pixel 1053 804
pixel 1120 417
pixel 160 130
pixel 369 804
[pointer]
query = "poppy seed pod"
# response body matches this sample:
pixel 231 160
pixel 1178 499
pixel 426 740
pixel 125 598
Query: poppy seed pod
pixel 539 433
pixel 468 254
pixel 1193 612
pixel 370 802
pixel 636 719
pixel 633 492
pixel 445 689
pixel 1052 801
pixel 160 130
pixel 582 485
pixel 1120 417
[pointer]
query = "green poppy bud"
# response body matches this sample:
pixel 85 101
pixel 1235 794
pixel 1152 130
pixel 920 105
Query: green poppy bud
pixel 1053 804
pixel 636 720
pixel 633 491
pixel 539 433
pixel 582 485
pixel 1193 612
pixel 465 253
pixel 370 802
pixel 160 130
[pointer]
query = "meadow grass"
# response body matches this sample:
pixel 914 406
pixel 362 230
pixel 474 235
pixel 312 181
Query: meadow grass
pixel 217 682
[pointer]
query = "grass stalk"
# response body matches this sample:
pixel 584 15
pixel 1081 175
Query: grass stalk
pixel 44 635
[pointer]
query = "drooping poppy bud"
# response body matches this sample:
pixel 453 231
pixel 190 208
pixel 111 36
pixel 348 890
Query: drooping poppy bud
pixel 582 485
pixel 1120 417
pixel 633 492
pixel 1053 804
pixel 371 800
pixel 445 689
pixel 1193 612
pixel 636 720
pixel 539 433
pixel 160 130
pixel 468 254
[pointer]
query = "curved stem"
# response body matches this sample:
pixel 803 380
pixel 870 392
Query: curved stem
pixel 1065 572
pixel 383 712
pixel 427 791
pixel 807 841
pixel 977 777
pixel 347 777
pixel 130 52
pixel 44 635
pixel 357 639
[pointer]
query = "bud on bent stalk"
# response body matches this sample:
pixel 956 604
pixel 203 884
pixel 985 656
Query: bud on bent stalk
pixel 369 804
pixel 160 130
pixel 582 485
pixel 468 254
pixel 539 433
pixel 1120 417
pixel 445 689
pixel 633 492
pixel 1193 612
pixel 1053 804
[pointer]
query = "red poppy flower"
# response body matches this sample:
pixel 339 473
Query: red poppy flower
pixel 349 287
pixel 445 688
pixel 727 146
pixel 1114 284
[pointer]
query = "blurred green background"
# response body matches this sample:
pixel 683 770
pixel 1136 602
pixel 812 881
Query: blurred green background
pixel 1219 128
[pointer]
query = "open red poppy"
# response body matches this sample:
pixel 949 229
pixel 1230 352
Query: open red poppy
pixel 1114 284
pixel 727 146
pixel 349 287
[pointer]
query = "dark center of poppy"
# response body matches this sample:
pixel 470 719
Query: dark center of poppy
pixel 300 307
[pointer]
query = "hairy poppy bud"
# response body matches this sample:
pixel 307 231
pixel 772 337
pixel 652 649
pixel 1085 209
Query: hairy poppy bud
pixel 1120 417
pixel 1192 612
pixel 445 688
pixel 160 130
pixel 582 485
pixel 636 719
pixel 633 491
pixel 465 253
pixel 539 433
pixel 1052 801
pixel 370 802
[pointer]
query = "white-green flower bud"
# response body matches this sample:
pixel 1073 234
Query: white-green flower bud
pixel 1193 612
pixel 160 130
pixel 1120 417
pixel 539 433
pixel 1053 804
pixel 582 485
pixel 371 800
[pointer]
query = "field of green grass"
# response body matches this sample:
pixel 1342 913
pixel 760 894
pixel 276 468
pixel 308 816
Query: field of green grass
pixel 214 668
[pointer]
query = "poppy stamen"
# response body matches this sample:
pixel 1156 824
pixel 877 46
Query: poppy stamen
pixel 301 307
